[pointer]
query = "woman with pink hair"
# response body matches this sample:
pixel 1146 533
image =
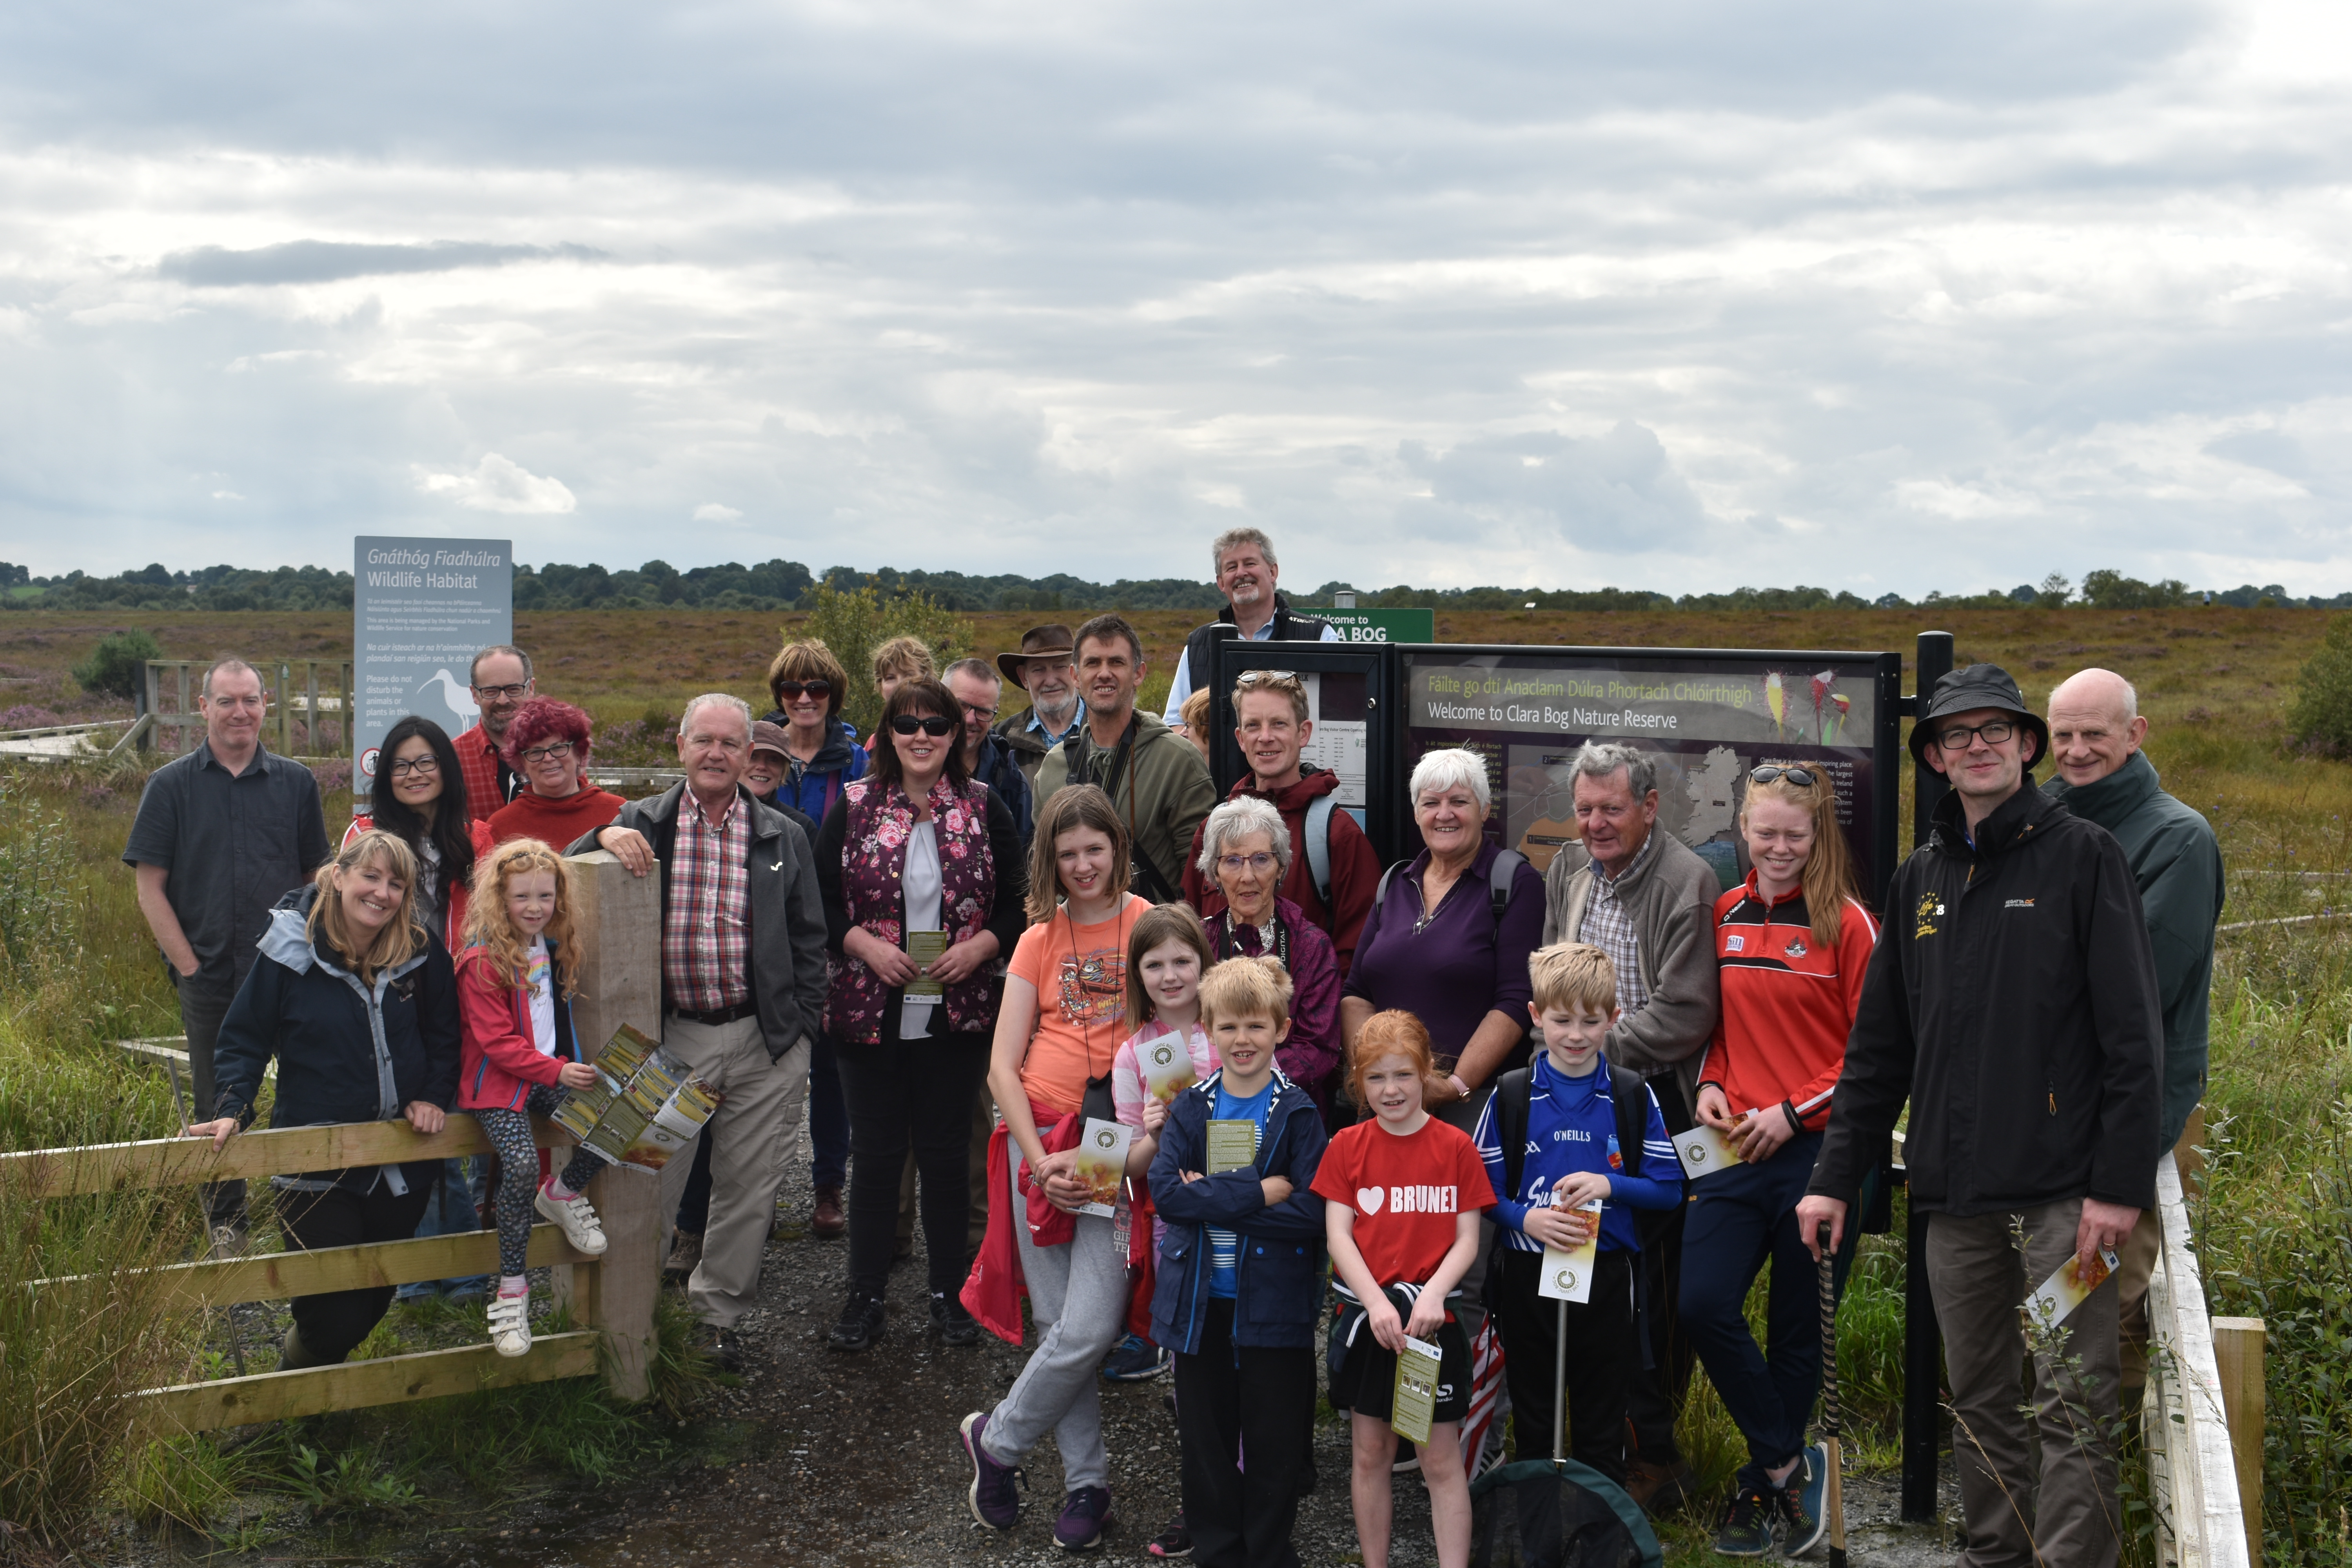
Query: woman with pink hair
pixel 547 743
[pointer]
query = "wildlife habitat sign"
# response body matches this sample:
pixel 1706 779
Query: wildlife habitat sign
pixel 421 608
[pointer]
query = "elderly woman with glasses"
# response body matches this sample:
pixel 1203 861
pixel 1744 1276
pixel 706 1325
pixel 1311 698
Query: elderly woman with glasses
pixel 547 743
pixel 1245 852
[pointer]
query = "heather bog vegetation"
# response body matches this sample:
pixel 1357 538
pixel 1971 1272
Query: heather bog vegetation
pixel 77 972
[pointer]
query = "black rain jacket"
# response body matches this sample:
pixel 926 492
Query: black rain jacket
pixel 2012 1000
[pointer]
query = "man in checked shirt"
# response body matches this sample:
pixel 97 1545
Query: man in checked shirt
pixel 743 978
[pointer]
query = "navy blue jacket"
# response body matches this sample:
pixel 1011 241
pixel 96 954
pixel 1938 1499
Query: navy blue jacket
pixel 343 1054
pixel 1001 772
pixel 1277 1292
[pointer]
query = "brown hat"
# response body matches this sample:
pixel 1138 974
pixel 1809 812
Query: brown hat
pixel 1037 642
pixel 768 736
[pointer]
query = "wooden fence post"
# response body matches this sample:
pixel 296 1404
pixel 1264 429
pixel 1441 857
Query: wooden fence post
pixel 616 1295
pixel 2238 1354
pixel 619 919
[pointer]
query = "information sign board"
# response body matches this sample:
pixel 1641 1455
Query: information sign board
pixel 1704 717
pixel 421 609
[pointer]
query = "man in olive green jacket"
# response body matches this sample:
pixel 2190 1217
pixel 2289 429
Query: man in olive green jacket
pixel 1154 776
pixel 2096 731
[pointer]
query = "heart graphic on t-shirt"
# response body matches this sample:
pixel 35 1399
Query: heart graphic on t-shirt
pixel 1369 1199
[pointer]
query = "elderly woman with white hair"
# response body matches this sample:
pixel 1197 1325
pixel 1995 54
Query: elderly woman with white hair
pixel 1245 853
pixel 1447 945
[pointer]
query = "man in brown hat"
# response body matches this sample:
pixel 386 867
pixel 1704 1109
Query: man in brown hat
pixel 1046 669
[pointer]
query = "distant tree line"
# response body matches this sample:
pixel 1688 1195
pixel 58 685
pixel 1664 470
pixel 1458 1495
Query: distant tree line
pixel 789 585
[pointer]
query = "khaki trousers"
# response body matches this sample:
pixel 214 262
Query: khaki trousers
pixel 757 1129
pixel 2065 1518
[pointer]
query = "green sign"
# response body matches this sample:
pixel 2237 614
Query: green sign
pixel 1380 625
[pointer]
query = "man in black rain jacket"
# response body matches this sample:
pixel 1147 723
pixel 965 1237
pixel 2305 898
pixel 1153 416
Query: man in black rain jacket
pixel 2012 1001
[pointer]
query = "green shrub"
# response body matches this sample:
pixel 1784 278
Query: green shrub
pixel 2321 717
pixel 118 665
pixel 852 623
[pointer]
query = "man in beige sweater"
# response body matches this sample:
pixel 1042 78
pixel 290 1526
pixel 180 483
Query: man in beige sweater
pixel 1642 897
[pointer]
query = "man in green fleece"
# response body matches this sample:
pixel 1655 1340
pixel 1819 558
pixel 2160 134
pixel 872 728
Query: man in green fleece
pixel 2096 731
pixel 1153 776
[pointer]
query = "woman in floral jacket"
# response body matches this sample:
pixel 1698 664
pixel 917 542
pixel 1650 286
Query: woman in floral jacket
pixel 916 854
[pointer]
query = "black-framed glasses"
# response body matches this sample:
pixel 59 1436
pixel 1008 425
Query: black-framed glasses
pixel 792 691
pixel 554 750
pixel 1804 778
pixel 928 724
pixel 423 767
pixel 983 714
pixel 1957 737
pixel 512 694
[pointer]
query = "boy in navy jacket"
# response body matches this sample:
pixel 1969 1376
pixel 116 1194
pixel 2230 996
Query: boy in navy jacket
pixel 1573 1139
pixel 1239 1280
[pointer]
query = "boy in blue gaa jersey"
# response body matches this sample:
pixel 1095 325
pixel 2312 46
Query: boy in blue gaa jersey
pixel 1562 1130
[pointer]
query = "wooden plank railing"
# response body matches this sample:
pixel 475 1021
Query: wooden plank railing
pixel 612 1296
pixel 317 689
pixel 2198 1446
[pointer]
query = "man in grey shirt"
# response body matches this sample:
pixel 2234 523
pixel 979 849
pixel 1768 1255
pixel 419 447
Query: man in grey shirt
pixel 223 833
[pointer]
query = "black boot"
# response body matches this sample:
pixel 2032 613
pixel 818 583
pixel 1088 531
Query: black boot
pixel 861 1322
pixel 955 1326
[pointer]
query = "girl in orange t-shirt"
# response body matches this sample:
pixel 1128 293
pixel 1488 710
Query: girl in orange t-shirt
pixel 1063 1017
pixel 1402 1194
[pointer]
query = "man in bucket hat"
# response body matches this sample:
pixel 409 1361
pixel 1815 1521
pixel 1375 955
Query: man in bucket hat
pixel 2012 1000
pixel 1045 667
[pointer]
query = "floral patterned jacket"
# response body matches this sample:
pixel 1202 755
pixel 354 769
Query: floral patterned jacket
pixel 872 859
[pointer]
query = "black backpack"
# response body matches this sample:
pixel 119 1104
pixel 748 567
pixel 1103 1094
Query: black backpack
pixel 1514 1090
pixel 1498 876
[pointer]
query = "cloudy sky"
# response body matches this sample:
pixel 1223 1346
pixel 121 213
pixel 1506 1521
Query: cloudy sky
pixel 1683 295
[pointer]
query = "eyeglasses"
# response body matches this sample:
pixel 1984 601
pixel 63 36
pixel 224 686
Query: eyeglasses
pixel 1801 777
pixel 421 766
pixel 1957 737
pixel 556 750
pixel 792 690
pixel 1266 678
pixel 1260 862
pixel 977 711
pixel 928 724
pixel 510 693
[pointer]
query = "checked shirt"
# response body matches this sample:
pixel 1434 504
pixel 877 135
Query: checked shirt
pixel 706 931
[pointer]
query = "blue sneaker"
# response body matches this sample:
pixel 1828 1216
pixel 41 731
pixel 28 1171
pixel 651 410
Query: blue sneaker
pixel 1802 1502
pixel 1136 1360
pixel 992 1498
pixel 1084 1513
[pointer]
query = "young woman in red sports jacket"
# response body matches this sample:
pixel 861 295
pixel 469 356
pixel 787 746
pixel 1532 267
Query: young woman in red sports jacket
pixel 1790 946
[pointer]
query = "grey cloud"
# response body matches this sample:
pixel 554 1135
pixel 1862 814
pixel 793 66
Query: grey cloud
pixel 1614 494
pixel 324 261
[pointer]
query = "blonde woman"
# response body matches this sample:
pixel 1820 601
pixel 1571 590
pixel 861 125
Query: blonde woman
pixel 356 1001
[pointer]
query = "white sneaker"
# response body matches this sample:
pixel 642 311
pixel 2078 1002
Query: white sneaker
pixel 578 1217
pixel 510 1323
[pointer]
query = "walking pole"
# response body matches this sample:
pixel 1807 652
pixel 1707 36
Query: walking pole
pixel 1560 1392
pixel 236 1336
pixel 1833 1495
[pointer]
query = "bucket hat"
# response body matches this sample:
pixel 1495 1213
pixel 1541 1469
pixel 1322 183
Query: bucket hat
pixel 1037 642
pixel 768 736
pixel 1970 688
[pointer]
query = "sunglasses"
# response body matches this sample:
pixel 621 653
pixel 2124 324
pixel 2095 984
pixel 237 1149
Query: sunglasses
pixel 786 690
pixel 1801 777
pixel 928 724
pixel 1266 678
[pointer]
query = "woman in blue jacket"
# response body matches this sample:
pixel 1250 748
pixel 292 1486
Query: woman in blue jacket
pixel 354 997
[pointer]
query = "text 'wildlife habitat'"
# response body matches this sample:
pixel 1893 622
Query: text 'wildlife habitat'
pixel 421 608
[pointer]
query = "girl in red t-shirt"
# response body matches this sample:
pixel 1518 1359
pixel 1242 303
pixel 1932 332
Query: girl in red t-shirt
pixel 1402 1194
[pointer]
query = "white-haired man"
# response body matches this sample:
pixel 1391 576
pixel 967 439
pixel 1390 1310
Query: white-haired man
pixel 743 983
pixel 1639 895
pixel 2096 731
pixel 1246 575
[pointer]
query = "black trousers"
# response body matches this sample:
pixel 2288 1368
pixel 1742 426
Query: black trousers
pixel 1656 1399
pixel 330 1325
pixel 1244 1464
pixel 1603 1354
pixel 915 1092
pixel 203 1002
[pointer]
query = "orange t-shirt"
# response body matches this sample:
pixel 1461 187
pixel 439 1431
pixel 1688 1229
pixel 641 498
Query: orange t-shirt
pixel 1080 974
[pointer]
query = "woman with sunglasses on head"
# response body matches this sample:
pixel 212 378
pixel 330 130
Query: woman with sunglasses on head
pixel 922 872
pixel 821 750
pixel 1791 943
pixel 547 743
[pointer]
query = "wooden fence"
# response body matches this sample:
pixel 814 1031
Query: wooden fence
pixel 612 1296
pixel 307 716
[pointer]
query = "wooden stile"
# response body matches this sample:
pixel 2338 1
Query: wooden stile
pixel 182 1162
pixel 357 1384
